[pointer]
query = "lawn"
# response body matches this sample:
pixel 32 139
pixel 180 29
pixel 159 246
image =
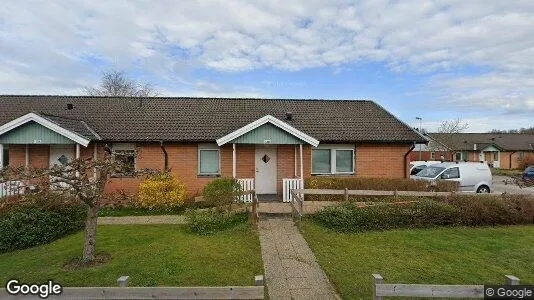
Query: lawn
pixel 432 256
pixel 152 255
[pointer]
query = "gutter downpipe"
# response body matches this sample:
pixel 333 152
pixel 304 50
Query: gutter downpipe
pixel 405 163
pixel 166 157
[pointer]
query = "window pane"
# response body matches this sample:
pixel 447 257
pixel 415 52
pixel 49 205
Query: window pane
pixel 344 161
pixel 126 160
pixel 209 162
pixel 321 161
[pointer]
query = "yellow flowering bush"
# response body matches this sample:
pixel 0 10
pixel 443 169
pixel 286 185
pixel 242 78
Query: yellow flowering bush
pixel 162 191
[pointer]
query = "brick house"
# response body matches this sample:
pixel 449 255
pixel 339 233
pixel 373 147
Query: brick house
pixel 267 144
pixel 500 150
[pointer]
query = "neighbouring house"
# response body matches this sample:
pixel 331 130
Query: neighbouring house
pixel 499 150
pixel 268 144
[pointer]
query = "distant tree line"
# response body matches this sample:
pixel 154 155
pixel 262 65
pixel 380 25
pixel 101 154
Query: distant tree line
pixel 529 130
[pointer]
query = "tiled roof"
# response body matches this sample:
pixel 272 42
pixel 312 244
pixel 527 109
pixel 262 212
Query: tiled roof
pixel 207 119
pixel 504 141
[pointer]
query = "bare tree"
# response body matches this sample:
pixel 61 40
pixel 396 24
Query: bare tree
pixel 116 83
pixel 453 126
pixel 84 179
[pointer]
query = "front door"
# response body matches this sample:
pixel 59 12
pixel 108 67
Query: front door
pixel 61 155
pixel 266 169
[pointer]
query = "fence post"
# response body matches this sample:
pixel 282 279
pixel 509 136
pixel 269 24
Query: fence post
pixel 378 280
pixel 346 195
pixel 123 281
pixel 512 280
pixel 258 280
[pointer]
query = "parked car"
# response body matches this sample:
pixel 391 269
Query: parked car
pixel 471 177
pixel 528 174
pixel 417 165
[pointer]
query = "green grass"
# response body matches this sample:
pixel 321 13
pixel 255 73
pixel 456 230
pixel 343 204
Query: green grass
pixel 507 172
pixel 431 256
pixel 152 255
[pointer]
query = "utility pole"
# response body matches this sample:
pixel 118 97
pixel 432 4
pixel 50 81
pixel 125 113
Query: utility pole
pixel 420 131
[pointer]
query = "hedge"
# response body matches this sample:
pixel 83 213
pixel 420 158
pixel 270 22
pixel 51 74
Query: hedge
pixel 367 183
pixel 452 211
pixel 38 219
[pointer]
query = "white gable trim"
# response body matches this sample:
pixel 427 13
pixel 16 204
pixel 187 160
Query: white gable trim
pixel 46 123
pixel 268 119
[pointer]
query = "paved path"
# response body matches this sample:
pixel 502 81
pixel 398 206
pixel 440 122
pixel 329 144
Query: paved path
pixel 291 271
pixel 164 219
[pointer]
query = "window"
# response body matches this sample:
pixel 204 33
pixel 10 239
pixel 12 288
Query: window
pixel 495 156
pixel 125 155
pixel 321 161
pixel 432 155
pixel 208 160
pixel 461 155
pixel 451 173
pixel 332 161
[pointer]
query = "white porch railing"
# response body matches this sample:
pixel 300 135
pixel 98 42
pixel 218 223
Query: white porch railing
pixel 247 184
pixel 291 184
pixel 11 188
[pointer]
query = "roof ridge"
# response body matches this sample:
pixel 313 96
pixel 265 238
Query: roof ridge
pixel 187 97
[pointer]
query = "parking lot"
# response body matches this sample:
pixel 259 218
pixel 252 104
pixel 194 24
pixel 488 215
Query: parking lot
pixel 500 187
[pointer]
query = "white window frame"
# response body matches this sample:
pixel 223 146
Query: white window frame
pixel 333 149
pixel 208 147
pixel 432 155
pixel 116 147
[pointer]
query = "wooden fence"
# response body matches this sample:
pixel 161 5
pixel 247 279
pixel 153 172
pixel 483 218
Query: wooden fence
pixel 11 188
pixel 122 292
pixel 382 289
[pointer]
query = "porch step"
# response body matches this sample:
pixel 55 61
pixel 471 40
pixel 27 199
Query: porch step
pixel 268 216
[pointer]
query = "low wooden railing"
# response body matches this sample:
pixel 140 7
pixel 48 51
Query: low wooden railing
pixel 382 289
pixel 256 291
pixel 11 188
pixel 247 184
pixel 289 184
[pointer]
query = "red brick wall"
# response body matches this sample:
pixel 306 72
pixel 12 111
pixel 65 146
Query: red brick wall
pixel 372 160
pixel 285 167
pixel 381 160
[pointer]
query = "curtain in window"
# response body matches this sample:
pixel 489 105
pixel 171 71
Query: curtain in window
pixel 209 162
pixel 344 161
pixel 321 161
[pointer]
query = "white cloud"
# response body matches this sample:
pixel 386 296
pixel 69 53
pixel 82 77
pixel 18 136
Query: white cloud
pixel 45 45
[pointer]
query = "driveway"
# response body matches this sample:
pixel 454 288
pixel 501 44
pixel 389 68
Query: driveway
pixel 500 187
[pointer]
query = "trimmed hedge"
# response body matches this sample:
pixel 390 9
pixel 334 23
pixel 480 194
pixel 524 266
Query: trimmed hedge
pixel 38 219
pixel 367 183
pixel 452 211
pixel 222 192
pixel 209 221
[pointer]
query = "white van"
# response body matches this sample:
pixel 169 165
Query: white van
pixel 471 177
pixel 417 165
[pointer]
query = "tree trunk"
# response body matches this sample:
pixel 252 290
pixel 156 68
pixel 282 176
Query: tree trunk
pixel 90 234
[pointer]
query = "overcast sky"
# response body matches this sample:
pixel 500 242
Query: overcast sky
pixel 438 60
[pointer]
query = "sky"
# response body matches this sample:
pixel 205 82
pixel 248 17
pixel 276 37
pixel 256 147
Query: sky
pixel 438 60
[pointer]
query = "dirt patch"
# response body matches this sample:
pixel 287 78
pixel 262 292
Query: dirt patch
pixel 76 263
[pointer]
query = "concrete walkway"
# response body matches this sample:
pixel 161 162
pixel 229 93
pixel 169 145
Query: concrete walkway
pixel 163 219
pixel 291 271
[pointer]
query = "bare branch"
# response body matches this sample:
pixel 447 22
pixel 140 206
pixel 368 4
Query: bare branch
pixel 117 84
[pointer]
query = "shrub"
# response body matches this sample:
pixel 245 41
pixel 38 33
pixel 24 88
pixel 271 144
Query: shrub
pixel 463 210
pixel 349 217
pixel 38 219
pixel 222 192
pixel 485 210
pixel 382 184
pixel 210 221
pixel 162 192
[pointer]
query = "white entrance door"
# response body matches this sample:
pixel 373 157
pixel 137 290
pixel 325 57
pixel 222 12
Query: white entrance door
pixel 61 154
pixel 266 169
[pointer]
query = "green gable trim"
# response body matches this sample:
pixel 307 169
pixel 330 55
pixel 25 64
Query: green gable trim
pixel 267 132
pixel 33 133
pixel 490 148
